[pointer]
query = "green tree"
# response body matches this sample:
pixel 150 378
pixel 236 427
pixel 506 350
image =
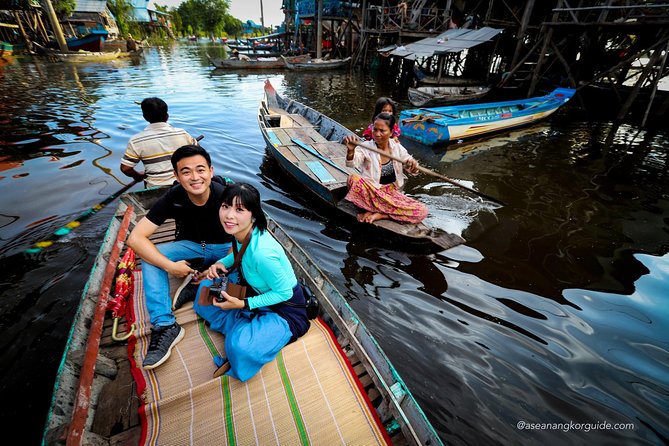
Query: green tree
pixel 64 7
pixel 233 26
pixel 124 13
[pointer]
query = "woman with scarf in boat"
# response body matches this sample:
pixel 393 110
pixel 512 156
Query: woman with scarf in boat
pixel 378 189
pixel 383 105
pixel 273 312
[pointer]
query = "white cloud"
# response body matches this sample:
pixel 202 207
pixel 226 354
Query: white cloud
pixel 246 10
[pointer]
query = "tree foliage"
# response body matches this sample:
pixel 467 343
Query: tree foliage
pixel 64 8
pixel 124 13
pixel 206 16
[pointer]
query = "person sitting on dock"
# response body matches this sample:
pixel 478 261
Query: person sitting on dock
pixel 131 44
pixel 377 190
pixel 383 105
pixel 273 314
pixel 194 204
pixel 237 56
pixel 154 146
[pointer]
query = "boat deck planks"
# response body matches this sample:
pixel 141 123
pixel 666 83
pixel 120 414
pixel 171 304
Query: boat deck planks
pixel 113 414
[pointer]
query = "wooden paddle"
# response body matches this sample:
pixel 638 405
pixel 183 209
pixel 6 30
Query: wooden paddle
pixel 431 172
pixel 69 227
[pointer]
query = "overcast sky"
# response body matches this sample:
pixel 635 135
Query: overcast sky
pixel 245 10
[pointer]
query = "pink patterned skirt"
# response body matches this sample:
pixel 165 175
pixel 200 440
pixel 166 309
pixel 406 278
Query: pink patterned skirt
pixel 385 200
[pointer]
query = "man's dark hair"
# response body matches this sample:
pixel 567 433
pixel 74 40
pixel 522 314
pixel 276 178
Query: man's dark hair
pixel 188 151
pixel 249 197
pixel 154 110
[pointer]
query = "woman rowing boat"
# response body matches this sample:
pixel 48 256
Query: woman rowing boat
pixel 378 189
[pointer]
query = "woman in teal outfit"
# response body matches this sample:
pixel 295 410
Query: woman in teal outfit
pixel 273 314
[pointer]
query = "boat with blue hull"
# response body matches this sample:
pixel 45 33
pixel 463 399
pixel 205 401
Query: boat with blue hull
pixel 93 41
pixel 441 125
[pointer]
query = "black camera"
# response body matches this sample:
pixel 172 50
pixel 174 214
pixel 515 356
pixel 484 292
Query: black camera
pixel 220 284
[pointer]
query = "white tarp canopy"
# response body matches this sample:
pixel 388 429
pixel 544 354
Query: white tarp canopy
pixel 451 41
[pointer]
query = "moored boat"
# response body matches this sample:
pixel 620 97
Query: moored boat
pixel 434 96
pixel 260 63
pixel 317 64
pixel 307 146
pixel 6 48
pixel 93 41
pixel 91 56
pixel 334 382
pixel 452 123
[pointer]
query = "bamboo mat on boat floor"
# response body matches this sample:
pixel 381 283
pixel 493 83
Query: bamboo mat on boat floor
pixel 308 395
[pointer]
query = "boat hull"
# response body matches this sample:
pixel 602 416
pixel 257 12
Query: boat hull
pixel 90 42
pixel 280 120
pixel 435 96
pixel 254 64
pixel 440 125
pixel 317 66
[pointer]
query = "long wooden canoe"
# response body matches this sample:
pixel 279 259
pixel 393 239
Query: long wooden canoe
pixel 259 63
pixel 96 400
pixel 316 64
pixel 435 96
pixel 439 125
pixel 307 146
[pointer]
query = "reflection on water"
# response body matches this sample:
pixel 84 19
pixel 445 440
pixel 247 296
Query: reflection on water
pixel 554 311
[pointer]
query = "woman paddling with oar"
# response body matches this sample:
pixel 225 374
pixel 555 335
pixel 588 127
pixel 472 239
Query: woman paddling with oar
pixel 377 190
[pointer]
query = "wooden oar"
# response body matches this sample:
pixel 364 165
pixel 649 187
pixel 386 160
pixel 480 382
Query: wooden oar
pixel 64 230
pixel 431 172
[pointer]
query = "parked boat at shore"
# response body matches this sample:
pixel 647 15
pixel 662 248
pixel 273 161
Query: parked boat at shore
pixel 307 146
pixel 334 382
pixel 452 123
pixel 316 64
pixel 260 63
pixel 93 41
pixel 435 96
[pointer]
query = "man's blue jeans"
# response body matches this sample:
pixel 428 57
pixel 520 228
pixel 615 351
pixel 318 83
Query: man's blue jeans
pixel 156 280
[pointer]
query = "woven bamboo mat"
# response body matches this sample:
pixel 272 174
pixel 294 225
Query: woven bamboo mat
pixel 308 395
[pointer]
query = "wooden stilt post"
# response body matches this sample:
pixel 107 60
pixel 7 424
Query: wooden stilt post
pixel 658 75
pixel 319 29
pixel 24 35
pixel 637 87
pixel 55 25
pixel 521 32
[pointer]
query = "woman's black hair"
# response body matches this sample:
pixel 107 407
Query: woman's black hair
pixel 380 103
pixel 249 197
pixel 390 119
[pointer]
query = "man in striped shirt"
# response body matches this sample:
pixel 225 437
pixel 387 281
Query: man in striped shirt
pixel 154 146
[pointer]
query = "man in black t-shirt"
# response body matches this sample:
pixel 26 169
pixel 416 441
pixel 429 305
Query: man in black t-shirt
pixel 194 204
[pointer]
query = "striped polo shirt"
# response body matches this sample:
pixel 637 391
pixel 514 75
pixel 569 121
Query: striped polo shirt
pixel 154 146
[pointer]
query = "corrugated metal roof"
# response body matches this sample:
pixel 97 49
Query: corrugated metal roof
pixel 451 41
pixel 90 5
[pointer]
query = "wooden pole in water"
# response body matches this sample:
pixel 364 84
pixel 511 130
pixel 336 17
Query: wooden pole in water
pixel 319 29
pixel 55 25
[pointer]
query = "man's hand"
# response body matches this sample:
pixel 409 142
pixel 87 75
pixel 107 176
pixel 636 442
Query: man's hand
pixel 180 269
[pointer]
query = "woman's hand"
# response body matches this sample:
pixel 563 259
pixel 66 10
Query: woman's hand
pixel 411 165
pixel 230 302
pixel 212 272
pixel 350 141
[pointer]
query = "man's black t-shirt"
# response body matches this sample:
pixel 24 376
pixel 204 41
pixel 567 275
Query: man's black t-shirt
pixel 199 224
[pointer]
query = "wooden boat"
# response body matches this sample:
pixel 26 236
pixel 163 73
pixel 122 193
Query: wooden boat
pixel 260 63
pixel 317 64
pixel 6 48
pixel 307 146
pixel 92 41
pixel 88 56
pixel 443 124
pixel 96 401
pixel 444 81
pixel 434 96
